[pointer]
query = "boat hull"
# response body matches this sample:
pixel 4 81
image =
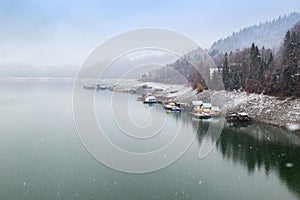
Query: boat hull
pixel 238 118
pixel 150 102
pixel 201 115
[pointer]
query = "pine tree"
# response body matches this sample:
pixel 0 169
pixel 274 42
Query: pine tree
pixel 290 61
pixel 226 75
pixel 255 61
pixel 260 77
pixel 271 60
pixel 216 80
pixel 274 82
pixel 236 80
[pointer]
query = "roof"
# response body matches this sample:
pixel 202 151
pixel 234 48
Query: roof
pixel 197 103
pixel 243 114
pixel 150 97
pixel 216 109
pixel 207 105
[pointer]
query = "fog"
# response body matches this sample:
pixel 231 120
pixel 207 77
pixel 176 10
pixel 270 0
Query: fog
pixel 58 34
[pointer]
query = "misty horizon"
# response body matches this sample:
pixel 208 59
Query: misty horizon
pixel 42 34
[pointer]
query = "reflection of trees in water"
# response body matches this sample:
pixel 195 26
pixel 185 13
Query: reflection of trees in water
pixel 257 147
pixel 258 154
pixel 181 117
pixel 202 127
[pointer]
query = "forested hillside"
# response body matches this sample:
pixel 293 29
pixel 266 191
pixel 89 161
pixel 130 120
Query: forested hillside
pixel 260 70
pixel 183 71
pixel 255 69
pixel 269 34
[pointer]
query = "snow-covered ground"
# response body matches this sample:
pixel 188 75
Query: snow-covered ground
pixel 262 108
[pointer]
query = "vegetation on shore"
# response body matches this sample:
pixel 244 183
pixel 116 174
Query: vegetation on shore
pixel 257 70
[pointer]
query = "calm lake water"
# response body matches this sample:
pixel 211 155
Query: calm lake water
pixel 42 156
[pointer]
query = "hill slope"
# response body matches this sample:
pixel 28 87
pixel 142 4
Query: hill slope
pixel 193 67
pixel 269 34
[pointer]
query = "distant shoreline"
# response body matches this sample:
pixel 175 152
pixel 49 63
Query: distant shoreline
pixel 283 113
pixel 37 79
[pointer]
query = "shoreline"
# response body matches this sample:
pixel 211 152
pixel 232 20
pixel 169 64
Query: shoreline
pixel 282 113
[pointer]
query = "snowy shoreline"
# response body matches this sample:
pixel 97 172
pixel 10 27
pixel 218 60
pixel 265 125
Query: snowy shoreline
pixel 265 109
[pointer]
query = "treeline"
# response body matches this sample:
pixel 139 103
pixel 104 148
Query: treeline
pixel 266 34
pixel 262 71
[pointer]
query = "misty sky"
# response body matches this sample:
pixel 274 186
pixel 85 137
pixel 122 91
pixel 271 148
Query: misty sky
pixel 65 32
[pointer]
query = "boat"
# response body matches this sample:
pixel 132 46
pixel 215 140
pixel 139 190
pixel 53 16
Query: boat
pixel 140 99
pixel 238 117
pixel 146 87
pixel 172 107
pixel 150 99
pixel 216 112
pixel 199 106
pixel 101 87
pixel 89 87
pixel 201 115
pixel 204 110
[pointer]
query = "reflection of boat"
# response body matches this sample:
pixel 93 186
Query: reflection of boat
pixel 150 99
pixel 238 117
pixel 147 105
pixel 172 107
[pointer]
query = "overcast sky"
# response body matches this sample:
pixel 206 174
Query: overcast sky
pixel 65 32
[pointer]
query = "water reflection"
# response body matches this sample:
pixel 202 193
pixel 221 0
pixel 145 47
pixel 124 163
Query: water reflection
pixel 260 148
pixel 42 157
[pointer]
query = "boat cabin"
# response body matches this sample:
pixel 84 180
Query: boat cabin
pixel 101 86
pixel 146 87
pixel 216 111
pixel 197 105
pixel 238 117
pixel 150 99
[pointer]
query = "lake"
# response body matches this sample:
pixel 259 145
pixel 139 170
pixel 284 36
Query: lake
pixel 43 157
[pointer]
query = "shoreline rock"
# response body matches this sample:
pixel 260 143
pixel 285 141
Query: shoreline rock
pixel 284 113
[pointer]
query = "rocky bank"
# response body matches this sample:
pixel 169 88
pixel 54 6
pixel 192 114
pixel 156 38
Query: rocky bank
pixel 262 108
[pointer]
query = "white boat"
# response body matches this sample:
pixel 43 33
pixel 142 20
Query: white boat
pixel 150 99
pixel 172 107
pixel 101 87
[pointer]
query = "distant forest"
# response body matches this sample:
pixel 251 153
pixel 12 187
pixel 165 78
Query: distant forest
pixel 268 34
pixel 254 69
pixel 259 70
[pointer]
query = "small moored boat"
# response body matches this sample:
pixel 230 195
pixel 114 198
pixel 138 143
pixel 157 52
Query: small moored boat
pixel 172 107
pixel 150 99
pixel 101 87
pixel 89 87
pixel 238 117
pixel 201 115
pixel 216 112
